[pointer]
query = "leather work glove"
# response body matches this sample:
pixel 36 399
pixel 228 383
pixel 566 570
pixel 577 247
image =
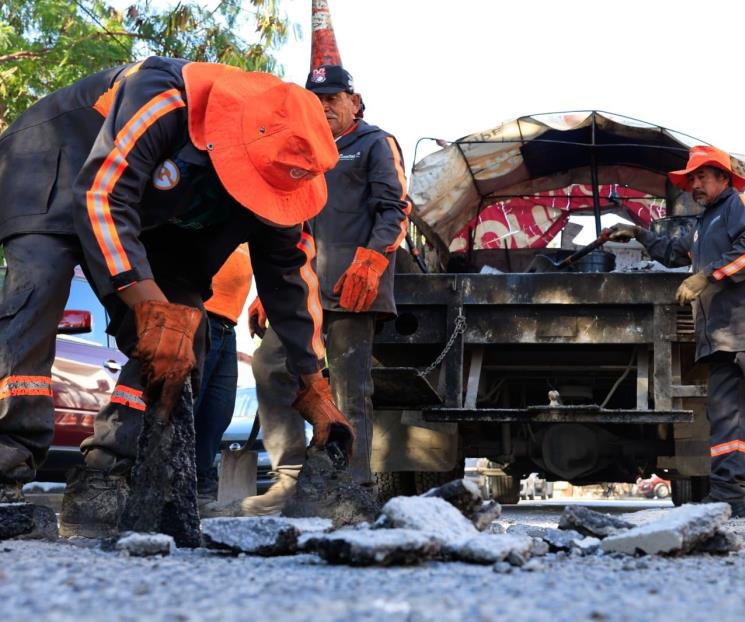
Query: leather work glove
pixel 256 318
pixel 691 288
pixel 165 348
pixel 358 285
pixel 623 233
pixel 317 407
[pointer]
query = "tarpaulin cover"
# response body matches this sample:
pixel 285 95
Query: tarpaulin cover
pixel 516 175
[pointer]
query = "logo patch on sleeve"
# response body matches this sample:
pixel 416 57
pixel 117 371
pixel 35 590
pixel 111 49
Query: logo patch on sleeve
pixel 167 176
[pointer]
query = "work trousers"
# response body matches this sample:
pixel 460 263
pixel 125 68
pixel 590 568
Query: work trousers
pixel 349 340
pixel 725 409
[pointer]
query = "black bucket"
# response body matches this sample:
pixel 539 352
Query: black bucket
pixel 596 261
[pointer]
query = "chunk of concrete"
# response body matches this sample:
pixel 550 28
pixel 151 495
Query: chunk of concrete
pixel 680 531
pixel 462 493
pixel 591 523
pixel 146 544
pixel 721 543
pixel 431 514
pixel 558 539
pixel 490 549
pixel 255 535
pixel 27 521
pixel 486 515
pixel 375 547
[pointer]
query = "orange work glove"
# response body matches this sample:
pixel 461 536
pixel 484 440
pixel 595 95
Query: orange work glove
pixel 165 348
pixel 358 285
pixel 317 407
pixel 256 318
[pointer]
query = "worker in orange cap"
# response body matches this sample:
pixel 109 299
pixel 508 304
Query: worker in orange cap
pixel 149 176
pixel 357 234
pixel 715 248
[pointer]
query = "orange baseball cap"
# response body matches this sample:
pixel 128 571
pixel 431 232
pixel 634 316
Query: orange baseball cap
pixel 703 155
pixel 268 140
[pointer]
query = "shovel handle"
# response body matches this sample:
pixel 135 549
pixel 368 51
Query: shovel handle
pixel 604 236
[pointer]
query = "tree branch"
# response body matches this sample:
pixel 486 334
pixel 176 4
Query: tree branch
pixel 24 54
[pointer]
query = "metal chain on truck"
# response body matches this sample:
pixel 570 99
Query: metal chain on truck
pixel 459 329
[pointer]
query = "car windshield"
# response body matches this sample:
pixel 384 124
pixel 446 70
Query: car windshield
pixel 246 403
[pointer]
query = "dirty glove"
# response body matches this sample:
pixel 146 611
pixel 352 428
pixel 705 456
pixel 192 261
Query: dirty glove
pixel 358 285
pixel 256 318
pixel 623 233
pixel 691 288
pixel 317 407
pixel 165 348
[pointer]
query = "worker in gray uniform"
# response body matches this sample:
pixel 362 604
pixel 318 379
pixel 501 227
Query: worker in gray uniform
pixel 715 248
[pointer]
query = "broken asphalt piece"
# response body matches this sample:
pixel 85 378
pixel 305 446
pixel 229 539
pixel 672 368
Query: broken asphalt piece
pixel 591 523
pixel 379 547
pixel 486 515
pixel 680 531
pixel 430 514
pixel 462 493
pixel 260 535
pixel 146 544
pixel 27 521
pixel 721 543
pixel 327 492
pixel 490 549
pixel 163 493
pixel 558 539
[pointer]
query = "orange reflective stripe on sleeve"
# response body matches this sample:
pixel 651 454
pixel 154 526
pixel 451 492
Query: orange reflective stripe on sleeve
pixel 308 246
pixel 97 198
pixel 402 180
pixel 128 397
pixel 727 448
pixel 15 386
pixel 731 268
pixel 103 104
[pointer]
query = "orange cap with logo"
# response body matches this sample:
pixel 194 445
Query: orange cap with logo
pixel 704 155
pixel 268 140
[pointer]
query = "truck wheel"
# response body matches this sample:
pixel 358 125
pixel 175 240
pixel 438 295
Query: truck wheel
pixel 700 487
pixel 424 480
pixel 504 488
pixel 395 484
pixel 682 491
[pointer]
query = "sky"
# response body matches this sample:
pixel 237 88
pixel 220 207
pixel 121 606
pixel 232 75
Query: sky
pixel 446 69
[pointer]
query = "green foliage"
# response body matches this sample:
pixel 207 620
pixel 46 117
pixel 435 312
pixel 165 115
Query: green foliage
pixel 48 44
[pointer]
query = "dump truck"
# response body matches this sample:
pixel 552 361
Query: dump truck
pixel 581 371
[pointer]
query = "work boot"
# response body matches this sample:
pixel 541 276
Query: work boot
pixel 92 504
pixel 271 502
pixel 11 493
pixel 207 487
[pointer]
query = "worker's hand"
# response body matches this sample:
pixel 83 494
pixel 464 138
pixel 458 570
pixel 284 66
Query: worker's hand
pixel 358 286
pixel 256 318
pixel 691 288
pixel 165 348
pixel 623 233
pixel 317 407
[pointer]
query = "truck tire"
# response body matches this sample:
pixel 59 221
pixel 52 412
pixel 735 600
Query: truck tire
pixel 690 490
pixel 395 484
pixel 503 488
pixel 424 480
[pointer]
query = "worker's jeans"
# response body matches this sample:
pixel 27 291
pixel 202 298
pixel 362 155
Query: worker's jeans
pixel 37 284
pixel 349 338
pixel 725 408
pixel 214 408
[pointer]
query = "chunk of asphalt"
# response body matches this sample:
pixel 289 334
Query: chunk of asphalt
pixel 721 543
pixel 462 493
pixel 591 523
pixel 27 521
pixel 486 515
pixel 431 514
pixel 680 531
pixel 490 549
pixel 255 535
pixel 327 492
pixel 375 547
pixel 556 539
pixel 146 544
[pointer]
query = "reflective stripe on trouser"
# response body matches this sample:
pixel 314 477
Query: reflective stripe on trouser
pixel 36 287
pixel 117 425
pixel 725 408
pixel 349 338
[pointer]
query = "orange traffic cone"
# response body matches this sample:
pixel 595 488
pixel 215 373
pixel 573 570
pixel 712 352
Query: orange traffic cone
pixel 323 48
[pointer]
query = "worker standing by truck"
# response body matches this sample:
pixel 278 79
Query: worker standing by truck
pixel 149 176
pixel 356 236
pixel 715 248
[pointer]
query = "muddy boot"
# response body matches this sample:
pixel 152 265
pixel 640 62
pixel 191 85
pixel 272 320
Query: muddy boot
pixel 11 493
pixel 271 502
pixel 207 484
pixel 92 503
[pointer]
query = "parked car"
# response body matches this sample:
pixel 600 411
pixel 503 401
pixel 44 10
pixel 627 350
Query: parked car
pixel 653 487
pixel 83 376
